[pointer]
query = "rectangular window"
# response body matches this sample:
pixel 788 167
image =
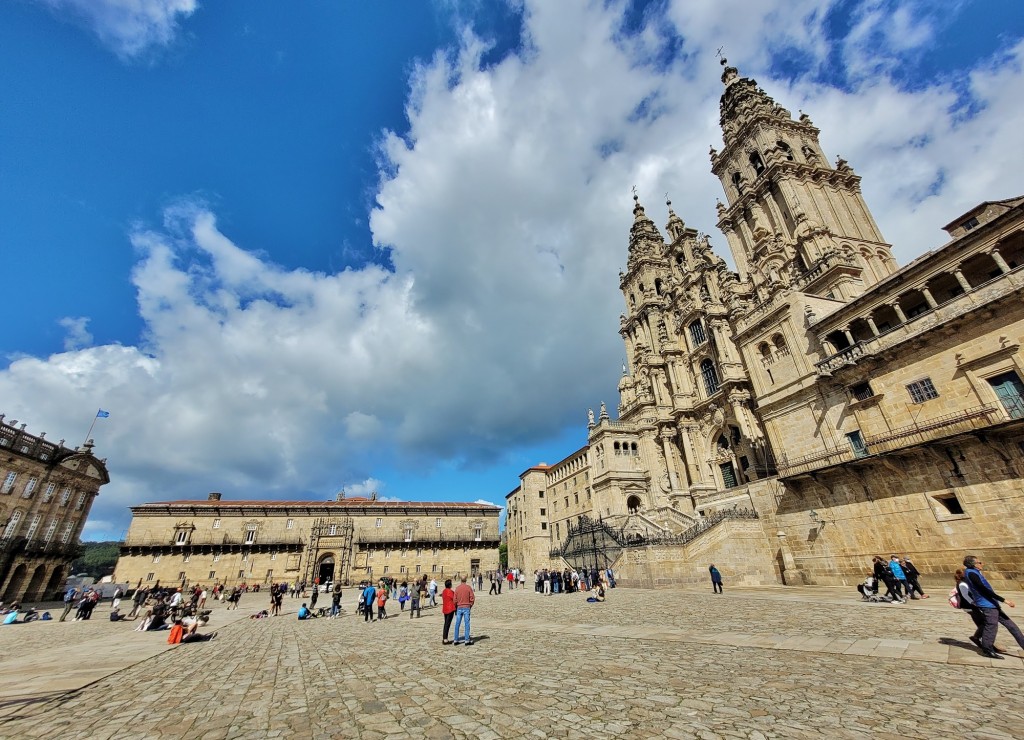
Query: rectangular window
pixel 81 502
pixel 478 533
pixel 181 576
pixel 149 576
pixel 250 534
pixel 576 498
pixel 567 502
pixel 273 556
pixel 12 525
pixel 433 551
pixel 216 523
pixel 419 551
pixel 369 555
pixel 9 482
pixel 970 223
pixel 728 474
pixel 380 522
pixel 69 529
pixel 48 493
pixel 543 525
pixel 332 530
pixel 861 391
pixel 29 488
pixel 181 537
pixel 418 568
pixel 241 573
pixel 558 531
pixel 385 569
pixel 290 524
pixel 245 557
pixel 216 557
pixel 156 558
pixel 401 569
pixel 33 526
pixel 922 390
pixel 186 558
pixel 65 496
pixel 408 534
pixel 950 504
pixel 270 574
pixel 540 494
pixel 213 575
pixel 437 522
pixel 50 530
pixel 543 512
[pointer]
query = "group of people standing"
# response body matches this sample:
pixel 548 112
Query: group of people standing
pixel 571 581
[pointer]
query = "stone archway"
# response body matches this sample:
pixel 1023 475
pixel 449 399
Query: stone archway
pixel 13 590
pixel 55 584
pixel 633 504
pixel 35 585
pixel 325 568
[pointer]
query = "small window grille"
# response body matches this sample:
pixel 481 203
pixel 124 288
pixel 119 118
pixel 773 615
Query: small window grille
pixel 922 390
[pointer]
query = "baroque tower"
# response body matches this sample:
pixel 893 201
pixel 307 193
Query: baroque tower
pixel 792 220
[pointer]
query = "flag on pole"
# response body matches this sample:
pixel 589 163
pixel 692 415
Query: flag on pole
pixel 101 414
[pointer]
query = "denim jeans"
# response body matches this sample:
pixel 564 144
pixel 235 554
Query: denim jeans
pixel 462 613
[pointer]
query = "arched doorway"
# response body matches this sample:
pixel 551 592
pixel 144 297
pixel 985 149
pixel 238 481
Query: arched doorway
pixel 38 576
pixel 55 585
pixel 13 590
pixel 633 504
pixel 325 569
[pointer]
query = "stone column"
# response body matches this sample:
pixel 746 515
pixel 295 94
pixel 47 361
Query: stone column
pixel 849 336
pixel 692 468
pixel 962 280
pixel 666 446
pixel 1000 262
pixel 899 312
pixel 872 326
pixel 928 297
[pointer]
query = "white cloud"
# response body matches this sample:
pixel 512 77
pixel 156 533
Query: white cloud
pixel 363 489
pixel 506 209
pixel 77 333
pixel 127 27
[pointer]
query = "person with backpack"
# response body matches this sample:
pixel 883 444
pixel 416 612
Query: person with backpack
pixel 69 602
pixel 884 575
pixel 368 596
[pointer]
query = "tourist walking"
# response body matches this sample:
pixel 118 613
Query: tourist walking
pixel 884 575
pixel 987 601
pixel 368 595
pixel 403 595
pixel 716 579
pixel 494 585
pixel 912 574
pixel 464 600
pixel 901 578
pixel 432 590
pixel 382 600
pixel 414 595
pixel 336 600
pixel 447 610
pixel 69 602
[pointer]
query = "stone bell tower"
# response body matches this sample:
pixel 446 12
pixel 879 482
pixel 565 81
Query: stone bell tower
pixel 792 220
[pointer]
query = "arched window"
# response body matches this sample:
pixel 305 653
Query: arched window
pixel 784 148
pixel 766 353
pixel 633 448
pixel 737 182
pixel 710 375
pixel 657 286
pixel 697 334
pixel 756 163
pixel 780 345
pixel 723 443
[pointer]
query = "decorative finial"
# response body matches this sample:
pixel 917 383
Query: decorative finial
pixel 721 60
pixel 635 196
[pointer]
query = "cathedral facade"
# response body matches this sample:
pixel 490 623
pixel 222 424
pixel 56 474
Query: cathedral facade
pixel 846 406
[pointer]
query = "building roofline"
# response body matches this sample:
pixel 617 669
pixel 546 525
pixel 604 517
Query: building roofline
pixel 345 504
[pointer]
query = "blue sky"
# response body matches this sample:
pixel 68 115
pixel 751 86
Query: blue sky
pixel 296 247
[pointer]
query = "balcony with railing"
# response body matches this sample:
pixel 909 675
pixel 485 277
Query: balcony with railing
pixel 910 435
pixel 148 540
pixel 429 539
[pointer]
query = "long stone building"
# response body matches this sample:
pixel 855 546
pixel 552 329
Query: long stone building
pixel 262 542
pixel 46 492
pixel 814 407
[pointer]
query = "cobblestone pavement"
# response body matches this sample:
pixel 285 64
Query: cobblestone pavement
pixel 787 663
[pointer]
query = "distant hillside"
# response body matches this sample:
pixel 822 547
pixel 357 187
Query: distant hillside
pixel 97 559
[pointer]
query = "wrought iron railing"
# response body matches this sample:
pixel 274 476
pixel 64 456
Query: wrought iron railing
pixel 934 428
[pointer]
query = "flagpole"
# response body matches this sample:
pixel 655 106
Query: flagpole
pixel 89 433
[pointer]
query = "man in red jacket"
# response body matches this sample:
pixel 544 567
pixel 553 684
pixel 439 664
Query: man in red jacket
pixel 464 600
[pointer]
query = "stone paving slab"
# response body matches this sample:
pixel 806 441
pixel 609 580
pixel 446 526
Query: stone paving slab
pixel 643 664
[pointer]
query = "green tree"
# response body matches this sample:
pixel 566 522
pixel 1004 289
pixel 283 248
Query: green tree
pixel 503 554
pixel 97 559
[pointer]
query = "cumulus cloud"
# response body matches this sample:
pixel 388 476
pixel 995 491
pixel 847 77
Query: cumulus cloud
pixel 365 488
pixel 127 27
pixel 505 208
pixel 76 332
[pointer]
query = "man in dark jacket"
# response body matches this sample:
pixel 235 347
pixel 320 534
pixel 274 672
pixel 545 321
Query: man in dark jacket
pixel 912 574
pixel 987 601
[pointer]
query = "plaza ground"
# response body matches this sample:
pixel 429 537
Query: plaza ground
pixel 752 663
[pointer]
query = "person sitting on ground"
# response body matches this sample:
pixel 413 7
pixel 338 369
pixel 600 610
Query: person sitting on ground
pixel 180 633
pixel 115 615
pixel 598 596
pixel 305 613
